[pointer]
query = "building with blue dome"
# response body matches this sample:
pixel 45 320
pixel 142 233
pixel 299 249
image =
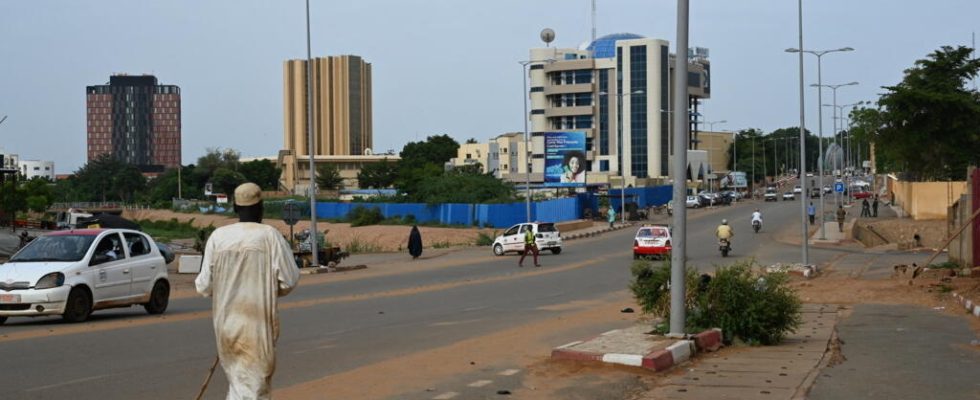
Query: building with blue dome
pixel 617 90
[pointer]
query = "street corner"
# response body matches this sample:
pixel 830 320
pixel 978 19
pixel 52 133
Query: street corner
pixel 635 347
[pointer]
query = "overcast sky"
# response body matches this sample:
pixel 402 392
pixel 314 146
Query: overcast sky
pixel 439 66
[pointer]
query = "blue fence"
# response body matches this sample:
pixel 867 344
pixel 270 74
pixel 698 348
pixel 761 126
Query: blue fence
pixel 498 215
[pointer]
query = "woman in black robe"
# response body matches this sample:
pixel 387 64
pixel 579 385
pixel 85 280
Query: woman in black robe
pixel 415 242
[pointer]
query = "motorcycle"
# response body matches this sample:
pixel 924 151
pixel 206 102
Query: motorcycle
pixel 756 225
pixel 724 246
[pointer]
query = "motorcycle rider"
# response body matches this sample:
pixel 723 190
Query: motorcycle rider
pixel 757 216
pixel 724 232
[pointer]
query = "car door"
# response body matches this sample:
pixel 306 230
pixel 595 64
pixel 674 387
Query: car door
pixel 514 239
pixel 144 263
pixel 113 277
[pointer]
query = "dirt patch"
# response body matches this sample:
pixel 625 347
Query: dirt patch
pixel 932 233
pixel 375 238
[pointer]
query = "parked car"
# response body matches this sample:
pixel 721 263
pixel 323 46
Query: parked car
pixel 72 273
pixel 730 196
pixel 651 241
pixel 862 195
pixel 771 194
pixel 789 196
pixel 546 236
pixel 693 202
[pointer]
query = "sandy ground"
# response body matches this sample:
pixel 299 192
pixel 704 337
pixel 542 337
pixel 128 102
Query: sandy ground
pixel 375 238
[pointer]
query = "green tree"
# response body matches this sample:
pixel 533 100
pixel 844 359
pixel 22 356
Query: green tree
pixel 930 119
pixel 37 192
pixel 215 159
pixel 328 177
pixel 262 172
pixel 436 150
pixel 865 125
pixel 108 179
pixel 12 200
pixel 462 186
pixel 225 180
pixel 378 175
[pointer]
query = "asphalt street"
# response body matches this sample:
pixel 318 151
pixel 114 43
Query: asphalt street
pixel 332 327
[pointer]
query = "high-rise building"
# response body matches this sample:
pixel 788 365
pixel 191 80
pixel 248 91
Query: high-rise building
pixel 617 91
pixel 135 120
pixel 341 106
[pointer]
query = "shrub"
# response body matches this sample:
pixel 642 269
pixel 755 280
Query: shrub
pixel 755 309
pixel 651 287
pixel 357 246
pixel 362 216
pixel 483 239
pixel 202 237
pixel 408 219
pixel 441 245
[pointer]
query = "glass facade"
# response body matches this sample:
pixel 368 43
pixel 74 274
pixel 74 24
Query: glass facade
pixel 604 115
pixel 638 111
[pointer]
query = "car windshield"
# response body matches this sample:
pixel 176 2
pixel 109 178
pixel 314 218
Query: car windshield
pixel 546 228
pixel 55 248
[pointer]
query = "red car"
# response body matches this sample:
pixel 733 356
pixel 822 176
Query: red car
pixel 651 241
pixel 862 195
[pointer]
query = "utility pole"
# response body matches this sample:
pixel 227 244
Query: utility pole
pixel 678 258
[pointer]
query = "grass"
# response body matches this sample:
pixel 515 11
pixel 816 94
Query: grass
pixel 167 231
pixel 441 245
pixel 356 246
pixel 946 265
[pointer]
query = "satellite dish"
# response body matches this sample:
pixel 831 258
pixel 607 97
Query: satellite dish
pixel 547 35
pixel 368 152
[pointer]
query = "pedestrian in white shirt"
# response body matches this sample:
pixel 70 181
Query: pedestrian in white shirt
pixel 245 268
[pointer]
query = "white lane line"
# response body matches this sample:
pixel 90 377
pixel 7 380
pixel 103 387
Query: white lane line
pixel 480 383
pixel 509 372
pixel 71 382
pixel 450 323
pixel 445 396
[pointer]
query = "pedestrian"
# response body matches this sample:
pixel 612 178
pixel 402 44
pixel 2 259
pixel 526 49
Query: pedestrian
pixel 841 214
pixel 612 216
pixel 874 207
pixel 811 212
pixel 865 208
pixel 415 242
pixel 530 246
pixel 246 266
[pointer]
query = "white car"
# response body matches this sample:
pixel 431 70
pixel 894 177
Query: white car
pixel 546 235
pixel 797 189
pixel 73 272
pixel 693 202
pixel 789 196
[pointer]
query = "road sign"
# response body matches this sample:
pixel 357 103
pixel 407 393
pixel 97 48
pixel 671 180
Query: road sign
pixel 290 213
pixel 839 187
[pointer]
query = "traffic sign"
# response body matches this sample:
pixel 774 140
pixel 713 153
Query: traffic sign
pixel 839 187
pixel 290 213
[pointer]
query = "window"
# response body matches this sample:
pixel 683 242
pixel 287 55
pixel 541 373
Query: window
pixel 138 245
pixel 511 231
pixel 110 246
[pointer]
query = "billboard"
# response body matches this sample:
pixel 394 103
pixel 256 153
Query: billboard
pixel 735 179
pixel 564 159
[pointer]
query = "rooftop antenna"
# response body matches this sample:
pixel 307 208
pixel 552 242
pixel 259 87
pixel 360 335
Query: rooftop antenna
pixel 593 21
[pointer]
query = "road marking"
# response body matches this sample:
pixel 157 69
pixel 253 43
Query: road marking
pixel 450 323
pixel 509 372
pixel 567 345
pixel 71 382
pixel 444 396
pixel 480 383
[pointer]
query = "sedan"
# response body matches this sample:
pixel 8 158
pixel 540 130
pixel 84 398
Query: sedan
pixel 652 241
pixel 789 196
pixel 862 195
pixel 71 273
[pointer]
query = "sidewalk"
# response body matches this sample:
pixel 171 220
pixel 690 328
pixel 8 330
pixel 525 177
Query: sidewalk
pixel 783 371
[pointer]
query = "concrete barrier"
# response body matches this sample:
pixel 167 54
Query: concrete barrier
pixel 189 264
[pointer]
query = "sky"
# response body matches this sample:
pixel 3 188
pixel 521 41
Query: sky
pixel 439 66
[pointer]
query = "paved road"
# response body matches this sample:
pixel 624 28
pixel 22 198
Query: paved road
pixel 335 326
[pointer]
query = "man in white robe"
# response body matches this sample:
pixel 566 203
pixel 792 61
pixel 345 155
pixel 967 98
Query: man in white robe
pixel 245 268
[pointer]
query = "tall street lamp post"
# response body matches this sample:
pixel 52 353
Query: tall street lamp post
pixel 834 89
pixel 619 142
pixel 678 258
pixel 315 242
pixel 711 124
pixel 820 161
pixel 527 149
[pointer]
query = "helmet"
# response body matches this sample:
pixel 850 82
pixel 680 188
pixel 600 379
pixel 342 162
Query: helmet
pixel 724 222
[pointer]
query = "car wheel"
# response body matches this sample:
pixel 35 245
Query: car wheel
pixel 556 251
pixel 78 307
pixel 498 250
pixel 159 298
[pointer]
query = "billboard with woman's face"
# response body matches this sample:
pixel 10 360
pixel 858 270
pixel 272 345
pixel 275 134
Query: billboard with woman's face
pixel 564 159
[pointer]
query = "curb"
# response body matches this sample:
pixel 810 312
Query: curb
pixel 596 232
pixel 658 360
pixel 971 306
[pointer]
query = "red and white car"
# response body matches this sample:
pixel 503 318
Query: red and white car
pixel 652 241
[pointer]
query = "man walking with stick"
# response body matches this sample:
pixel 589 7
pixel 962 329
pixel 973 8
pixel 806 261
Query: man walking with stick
pixel 245 268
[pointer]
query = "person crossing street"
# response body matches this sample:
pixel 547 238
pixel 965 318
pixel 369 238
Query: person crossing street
pixel 530 246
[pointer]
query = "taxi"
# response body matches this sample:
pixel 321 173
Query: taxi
pixel 652 241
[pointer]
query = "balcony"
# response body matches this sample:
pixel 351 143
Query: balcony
pixel 573 88
pixel 568 111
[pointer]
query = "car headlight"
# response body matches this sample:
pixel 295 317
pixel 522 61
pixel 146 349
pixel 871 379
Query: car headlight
pixel 52 280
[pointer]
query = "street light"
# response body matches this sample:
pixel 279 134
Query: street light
pixel 619 142
pixel 527 150
pixel 820 166
pixel 834 89
pixel 711 124
pixel 315 243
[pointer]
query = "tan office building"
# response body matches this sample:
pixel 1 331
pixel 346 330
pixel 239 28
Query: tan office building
pixel 341 106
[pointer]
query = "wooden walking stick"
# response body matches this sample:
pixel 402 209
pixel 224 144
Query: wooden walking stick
pixel 208 379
